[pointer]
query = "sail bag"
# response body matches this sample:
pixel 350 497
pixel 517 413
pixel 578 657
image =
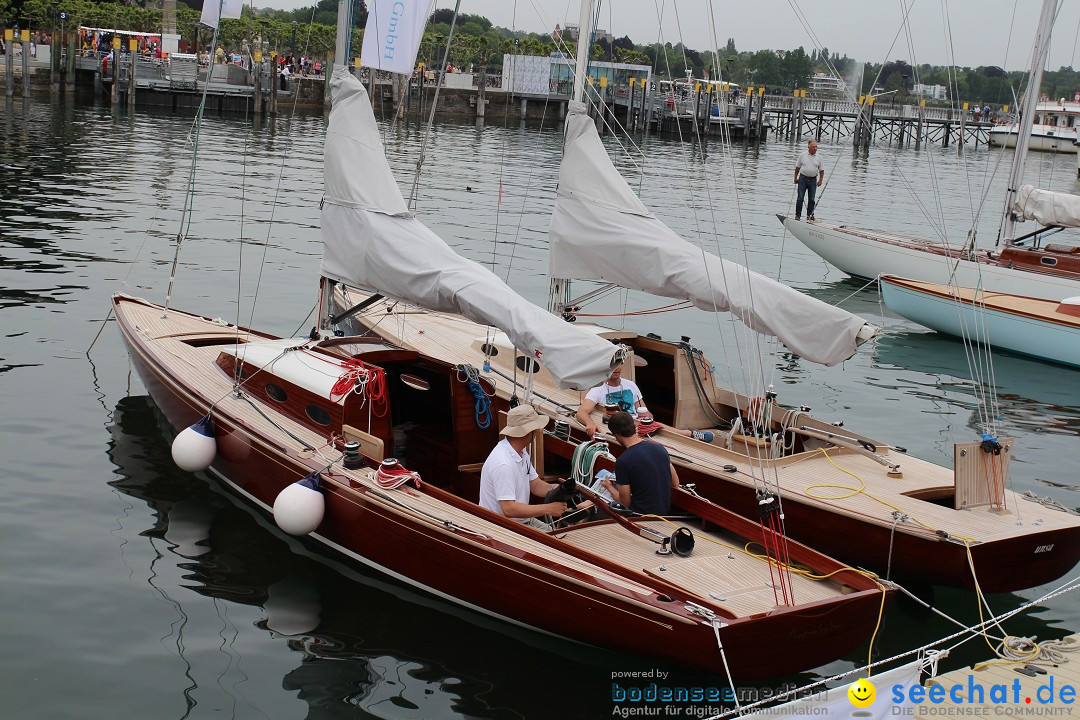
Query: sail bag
pixel 600 230
pixel 372 241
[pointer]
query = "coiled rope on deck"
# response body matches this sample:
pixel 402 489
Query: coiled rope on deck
pixel 584 460
pixel 471 377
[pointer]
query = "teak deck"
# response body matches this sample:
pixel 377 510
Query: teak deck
pixel 193 344
pixel 803 476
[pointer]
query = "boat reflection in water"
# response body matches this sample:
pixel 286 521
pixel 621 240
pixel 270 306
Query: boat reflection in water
pixel 363 642
pixel 1031 395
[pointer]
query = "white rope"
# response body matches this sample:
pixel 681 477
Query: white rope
pixel 1067 587
pixel 1047 502
pixel 723 656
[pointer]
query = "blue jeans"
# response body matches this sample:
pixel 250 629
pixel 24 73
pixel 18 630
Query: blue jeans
pixel 808 186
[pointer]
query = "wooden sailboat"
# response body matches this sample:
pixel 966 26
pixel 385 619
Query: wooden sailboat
pixel 1043 329
pixel 920 520
pixel 1022 265
pixel 304 428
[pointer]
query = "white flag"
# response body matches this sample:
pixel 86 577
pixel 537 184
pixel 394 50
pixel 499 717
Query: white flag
pixel 393 33
pixel 228 9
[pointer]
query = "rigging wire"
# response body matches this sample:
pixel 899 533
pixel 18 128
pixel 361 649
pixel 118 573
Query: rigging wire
pixel 434 104
pixel 189 188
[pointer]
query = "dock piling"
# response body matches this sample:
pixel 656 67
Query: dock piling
pixel 9 61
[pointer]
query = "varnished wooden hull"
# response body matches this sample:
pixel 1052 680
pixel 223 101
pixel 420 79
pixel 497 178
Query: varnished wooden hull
pixel 1001 566
pixel 518 588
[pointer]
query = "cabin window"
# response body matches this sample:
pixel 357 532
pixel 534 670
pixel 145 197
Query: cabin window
pixel 526 364
pixel 1051 119
pixel 489 349
pixel 319 414
pixel 1048 261
pixel 276 392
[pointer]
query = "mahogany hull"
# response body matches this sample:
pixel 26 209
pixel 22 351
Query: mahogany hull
pixel 515 588
pixel 1001 565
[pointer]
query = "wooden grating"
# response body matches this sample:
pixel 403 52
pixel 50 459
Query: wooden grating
pixel 717 569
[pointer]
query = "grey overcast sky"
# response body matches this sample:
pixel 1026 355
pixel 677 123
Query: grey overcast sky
pixel 984 32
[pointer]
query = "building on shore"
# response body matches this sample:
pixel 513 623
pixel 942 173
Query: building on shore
pixel 824 85
pixel 933 92
pixel 554 74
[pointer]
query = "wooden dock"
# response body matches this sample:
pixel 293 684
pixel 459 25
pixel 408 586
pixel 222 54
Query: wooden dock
pixel 998 689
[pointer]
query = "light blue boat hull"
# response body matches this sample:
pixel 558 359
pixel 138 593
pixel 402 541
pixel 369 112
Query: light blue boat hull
pixel 1016 333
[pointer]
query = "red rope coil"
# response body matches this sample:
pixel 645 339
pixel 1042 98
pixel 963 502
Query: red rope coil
pixel 391 475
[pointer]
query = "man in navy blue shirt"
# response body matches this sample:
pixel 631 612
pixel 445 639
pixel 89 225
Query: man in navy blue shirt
pixel 644 474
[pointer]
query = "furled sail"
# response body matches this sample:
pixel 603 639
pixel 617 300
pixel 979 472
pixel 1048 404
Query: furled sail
pixel 1047 207
pixel 372 241
pixel 600 230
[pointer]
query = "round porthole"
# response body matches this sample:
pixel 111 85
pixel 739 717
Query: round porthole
pixel 276 392
pixel 526 364
pixel 489 349
pixel 319 414
pixel 1048 261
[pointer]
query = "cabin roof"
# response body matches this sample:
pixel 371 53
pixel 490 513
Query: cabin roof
pixel 289 359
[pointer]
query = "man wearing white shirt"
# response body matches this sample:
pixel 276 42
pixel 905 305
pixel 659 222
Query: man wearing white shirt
pixel 809 174
pixel 626 394
pixel 508 476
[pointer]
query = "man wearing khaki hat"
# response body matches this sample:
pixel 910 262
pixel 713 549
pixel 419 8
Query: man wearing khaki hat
pixel 508 475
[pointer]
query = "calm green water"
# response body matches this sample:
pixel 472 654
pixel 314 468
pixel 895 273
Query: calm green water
pixel 131 589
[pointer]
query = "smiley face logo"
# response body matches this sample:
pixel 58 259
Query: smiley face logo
pixel 862 693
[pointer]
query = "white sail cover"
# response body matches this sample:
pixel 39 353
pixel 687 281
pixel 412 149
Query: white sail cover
pixel 600 230
pixel 372 241
pixel 1047 207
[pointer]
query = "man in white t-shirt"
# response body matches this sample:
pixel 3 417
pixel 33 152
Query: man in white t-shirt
pixel 627 396
pixel 809 174
pixel 508 475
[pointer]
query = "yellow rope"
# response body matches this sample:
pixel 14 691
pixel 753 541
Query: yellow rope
pixel 765 558
pixel 982 621
pixel 877 627
pixel 857 491
pixel 805 573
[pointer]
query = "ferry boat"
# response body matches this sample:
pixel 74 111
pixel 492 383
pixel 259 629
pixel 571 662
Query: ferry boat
pixel 1054 129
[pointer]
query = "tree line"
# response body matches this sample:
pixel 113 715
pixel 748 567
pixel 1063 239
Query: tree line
pixel 478 43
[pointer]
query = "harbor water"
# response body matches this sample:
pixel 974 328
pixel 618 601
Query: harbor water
pixel 133 589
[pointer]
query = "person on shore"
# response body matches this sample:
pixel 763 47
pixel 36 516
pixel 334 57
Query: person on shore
pixel 809 174
pixel 626 394
pixel 508 475
pixel 644 475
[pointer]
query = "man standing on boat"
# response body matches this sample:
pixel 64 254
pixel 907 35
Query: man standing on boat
pixel 508 475
pixel 624 393
pixel 644 474
pixel 809 167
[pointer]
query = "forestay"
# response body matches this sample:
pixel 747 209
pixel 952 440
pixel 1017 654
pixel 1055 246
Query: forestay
pixel 1047 207
pixel 600 230
pixel 372 241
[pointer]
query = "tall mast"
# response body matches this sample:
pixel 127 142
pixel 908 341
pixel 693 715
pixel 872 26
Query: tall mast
pixel 344 32
pixel 584 43
pixel 559 288
pixel 1027 115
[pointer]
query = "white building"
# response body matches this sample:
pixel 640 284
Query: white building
pixel 554 75
pixel 934 92
pixel 825 84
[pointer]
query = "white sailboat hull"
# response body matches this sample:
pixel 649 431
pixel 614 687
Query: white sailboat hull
pixel 866 254
pixel 1053 140
pixel 1011 331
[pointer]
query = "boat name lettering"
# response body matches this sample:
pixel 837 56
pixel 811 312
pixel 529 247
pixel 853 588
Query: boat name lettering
pixel 1044 548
